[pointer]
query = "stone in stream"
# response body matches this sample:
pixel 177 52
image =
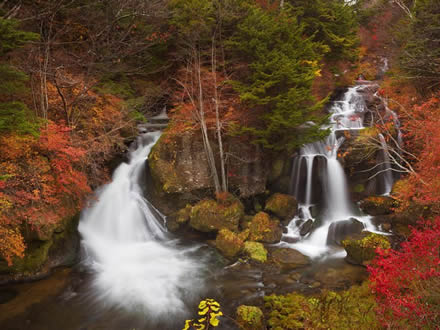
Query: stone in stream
pixel 229 243
pixel 289 258
pixel 250 318
pixel 340 230
pixel 264 229
pixel 283 206
pixel 361 248
pixel 255 251
pixel 306 227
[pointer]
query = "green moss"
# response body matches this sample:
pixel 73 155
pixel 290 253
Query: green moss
pixel 361 249
pixel 228 243
pixel 255 251
pixel 211 216
pixel 359 188
pixel 264 229
pixel 283 206
pixel 329 310
pixel 250 318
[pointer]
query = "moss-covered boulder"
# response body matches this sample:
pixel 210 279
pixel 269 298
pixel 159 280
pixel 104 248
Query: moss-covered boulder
pixel 229 243
pixel 250 318
pixel 378 205
pixel 289 259
pixel 283 206
pixel 179 218
pixel 361 249
pixel 264 229
pixel 255 251
pixel 212 216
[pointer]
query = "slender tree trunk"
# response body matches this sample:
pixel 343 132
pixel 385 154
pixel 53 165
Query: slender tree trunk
pixel 217 117
pixel 204 128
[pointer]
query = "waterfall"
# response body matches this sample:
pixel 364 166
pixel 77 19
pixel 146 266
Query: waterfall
pixel 385 167
pixel 345 115
pixel 136 264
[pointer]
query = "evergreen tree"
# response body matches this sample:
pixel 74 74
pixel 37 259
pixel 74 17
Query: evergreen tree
pixel 282 66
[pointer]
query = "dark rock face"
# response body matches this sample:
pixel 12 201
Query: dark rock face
pixel 306 227
pixel 340 230
pixel 178 164
pixel 289 258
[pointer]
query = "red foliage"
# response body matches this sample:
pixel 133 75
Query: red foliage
pixel 422 137
pixel 407 282
pixel 41 183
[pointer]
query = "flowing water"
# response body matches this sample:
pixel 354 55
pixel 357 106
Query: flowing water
pixel 136 264
pixel 346 116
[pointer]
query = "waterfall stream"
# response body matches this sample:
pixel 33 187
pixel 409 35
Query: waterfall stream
pixel 136 264
pixel 346 115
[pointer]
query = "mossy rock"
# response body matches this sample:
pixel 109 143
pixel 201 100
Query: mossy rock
pixel 289 259
pixel 255 251
pixel 264 229
pixel 229 243
pixel 250 318
pixel 212 216
pixel 283 206
pixel 378 205
pixel 246 221
pixel 361 249
pixel 36 255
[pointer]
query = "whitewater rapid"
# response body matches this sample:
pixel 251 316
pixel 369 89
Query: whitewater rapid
pixel 136 264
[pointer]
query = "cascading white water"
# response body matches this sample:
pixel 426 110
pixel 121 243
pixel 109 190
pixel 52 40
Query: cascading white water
pixel 345 115
pixel 385 168
pixel 136 263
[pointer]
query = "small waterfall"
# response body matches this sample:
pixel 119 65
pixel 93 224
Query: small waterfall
pixel 137 265
pixel 385 167
pixel 345 115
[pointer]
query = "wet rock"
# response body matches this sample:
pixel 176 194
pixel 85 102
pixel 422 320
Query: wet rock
pixel 361 248
pixel 264 229
pixel 212 216
pixel 378 205
pixel 340 230
pixel 289 258
pixel 342 277
pixel 229 243
pixel 178 219
pixel 246 221
pixel 306 227
pixel 255 251
pixel 291 240
pixel 283 206
pixel 250 318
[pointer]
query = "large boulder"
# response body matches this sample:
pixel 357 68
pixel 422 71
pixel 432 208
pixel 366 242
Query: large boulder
pixel 178 164
pixel 211 216
pixel 264 229
pixel 378 205
pixel 283 206
pixel 340 230
pixel 250 318
pixel 229 243
pixel 289 258
pixel 361 248
pixel 255 251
